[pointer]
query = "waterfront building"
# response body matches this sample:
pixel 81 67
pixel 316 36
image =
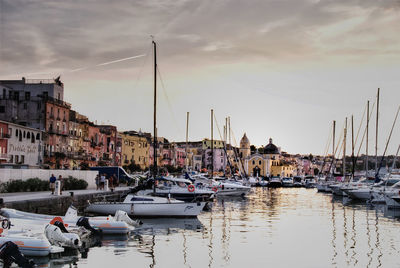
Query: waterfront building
pixel 4 136
pixel 23 146
pixel 135 149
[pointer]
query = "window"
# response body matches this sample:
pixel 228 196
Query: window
pixel 39 105
pixel 259 162
pixel 16 159
pixel 10 132
pixel 27 95
pixel 2 109
pixel 11 159
pixel 38 136
pixel 24 134
pixel 28 136
pixel 4 93
pixel 45 94
pixel 254 162
pixel 22 159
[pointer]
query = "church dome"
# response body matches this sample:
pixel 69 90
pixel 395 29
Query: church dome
pixel 244 142
pixel 271 148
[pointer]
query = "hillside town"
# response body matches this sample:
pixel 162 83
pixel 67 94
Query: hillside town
pixel 38 129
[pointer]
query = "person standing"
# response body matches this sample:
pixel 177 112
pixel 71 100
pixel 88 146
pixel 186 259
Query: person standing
pixel 52 183
pixel 110 182
pixel 61 179
pixel 102 181
pixel 97 180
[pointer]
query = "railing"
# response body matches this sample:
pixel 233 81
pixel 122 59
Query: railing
pixel 4 136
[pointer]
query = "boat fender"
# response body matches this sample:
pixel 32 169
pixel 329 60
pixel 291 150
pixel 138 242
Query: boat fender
pixel 10 253
pixel 215 189
pixel 191 188
pixel 222 186
pixel 84 222
pixel 56 237
pixel 61 226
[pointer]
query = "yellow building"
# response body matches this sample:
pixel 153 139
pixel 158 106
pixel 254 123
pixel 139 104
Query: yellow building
pixel 280 169
pixel 135 149
pixel 217 144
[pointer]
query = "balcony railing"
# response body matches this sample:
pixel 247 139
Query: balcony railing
pixel 4 136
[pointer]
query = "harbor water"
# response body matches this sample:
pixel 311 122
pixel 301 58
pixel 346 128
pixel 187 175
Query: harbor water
pixel 283 227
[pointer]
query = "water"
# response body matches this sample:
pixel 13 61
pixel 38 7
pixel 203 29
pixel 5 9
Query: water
pixel 286 227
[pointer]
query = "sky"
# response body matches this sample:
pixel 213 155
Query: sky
pixel 280 69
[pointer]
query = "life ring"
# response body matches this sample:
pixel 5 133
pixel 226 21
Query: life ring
pixel 191 188
pixel 215 189
pixel 5 224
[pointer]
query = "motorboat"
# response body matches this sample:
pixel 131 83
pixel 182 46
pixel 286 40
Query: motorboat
pixel 10 253
pixel 297 181
pixel 149 206
pixel 387 187
pixel 29 243
pixel 253 181
pixel 309 182
pixel 227 187
pixel 287 182
pixel 263 183
pixel 107 225
pixel 360 190
pixel 274 182
pixel 180 189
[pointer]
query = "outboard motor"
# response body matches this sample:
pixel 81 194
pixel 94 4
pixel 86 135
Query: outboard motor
pixel 84 222
pixel 58 238
pixel 61 226
pixel 10 253
pixel 123 216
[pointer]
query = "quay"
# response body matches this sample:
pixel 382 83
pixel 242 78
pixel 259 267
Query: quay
pixel 46 203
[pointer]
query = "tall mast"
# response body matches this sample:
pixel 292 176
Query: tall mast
pixel 344 149
pixel 155 116
pixel 229 129
pixel 376 135
pixel 352 148
pixel 366 144
pixel 187 140
pixel 225 140
pixel 333 146
pixel 212 143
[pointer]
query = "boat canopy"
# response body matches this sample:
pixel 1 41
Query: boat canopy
pixel 174 179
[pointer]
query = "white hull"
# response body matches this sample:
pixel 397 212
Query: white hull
pixel 149 209
pixel 234 192
pixel 107 226
pixel 360 194
pixel 31 246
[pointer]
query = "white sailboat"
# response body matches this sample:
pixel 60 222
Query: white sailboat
pixel 150 206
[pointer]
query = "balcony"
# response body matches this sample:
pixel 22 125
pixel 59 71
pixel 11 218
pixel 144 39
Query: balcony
pixel 4 136
pixel 3 156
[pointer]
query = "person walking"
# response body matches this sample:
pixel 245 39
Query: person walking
pixel 52 183
pixel 97 180
pixel 61 179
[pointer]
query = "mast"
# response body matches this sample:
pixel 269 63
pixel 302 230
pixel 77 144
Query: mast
pixel 187 137
pixel 376 135
pixel 225 139
pixel 155 117
pixel 366 144
pixel 352 148
pixel 344 149
pixel 212 143
pixel 333 146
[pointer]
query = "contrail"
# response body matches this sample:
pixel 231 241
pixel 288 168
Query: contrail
pixel 115 61
pixel 85 68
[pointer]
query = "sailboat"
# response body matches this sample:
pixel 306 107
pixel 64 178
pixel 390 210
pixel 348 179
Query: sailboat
pixel 145 205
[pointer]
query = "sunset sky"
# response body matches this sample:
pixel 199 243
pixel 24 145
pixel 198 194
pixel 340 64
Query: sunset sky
pixel 281 69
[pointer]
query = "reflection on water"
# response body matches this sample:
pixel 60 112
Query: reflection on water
pixel 269 228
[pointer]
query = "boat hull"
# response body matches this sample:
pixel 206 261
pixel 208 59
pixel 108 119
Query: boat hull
pixel 149 209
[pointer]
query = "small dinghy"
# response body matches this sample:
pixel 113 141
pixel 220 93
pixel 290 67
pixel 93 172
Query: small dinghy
pixel 107 225
pixel 27 243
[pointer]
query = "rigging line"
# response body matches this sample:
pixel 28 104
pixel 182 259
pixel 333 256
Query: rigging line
pixel 387 143
pixel 143 65
pixel 219 131
pixel 328 144
pixel 168 102
pixel 365 129
pixel 359 128
pixel 240 160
